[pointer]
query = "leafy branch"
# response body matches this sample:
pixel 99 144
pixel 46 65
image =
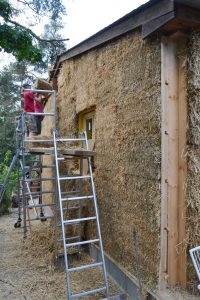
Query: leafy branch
pixel 35 35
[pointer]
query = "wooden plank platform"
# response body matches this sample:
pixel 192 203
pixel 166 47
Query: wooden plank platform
pixel 83 153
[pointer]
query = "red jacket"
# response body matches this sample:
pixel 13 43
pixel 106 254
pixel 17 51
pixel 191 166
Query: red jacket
pixel 28 102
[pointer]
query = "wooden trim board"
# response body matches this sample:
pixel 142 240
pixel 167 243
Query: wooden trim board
pixel 174 114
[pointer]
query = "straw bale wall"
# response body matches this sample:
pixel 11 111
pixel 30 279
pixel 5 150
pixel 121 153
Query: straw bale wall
pixel 193 154
pixel 122 80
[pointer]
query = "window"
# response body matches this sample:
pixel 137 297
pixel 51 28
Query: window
pixel 89 128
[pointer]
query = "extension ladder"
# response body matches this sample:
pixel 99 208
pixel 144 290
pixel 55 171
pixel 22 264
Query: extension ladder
pixel 75 241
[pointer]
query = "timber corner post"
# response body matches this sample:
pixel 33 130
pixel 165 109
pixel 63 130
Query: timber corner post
pixel 174 165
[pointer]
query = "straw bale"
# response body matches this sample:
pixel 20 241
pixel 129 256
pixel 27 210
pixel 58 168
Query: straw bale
pixel 48 160
pixel 42 84
pixel 122 80
pixel 193 155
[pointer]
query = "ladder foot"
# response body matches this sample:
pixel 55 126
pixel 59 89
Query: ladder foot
pixel 42 216
pixel 17 224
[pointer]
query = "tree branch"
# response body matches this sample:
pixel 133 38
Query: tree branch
pixel 28 4
pixel 35 35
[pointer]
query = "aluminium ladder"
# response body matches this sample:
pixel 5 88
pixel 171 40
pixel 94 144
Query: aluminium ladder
pixel 65 222
pixel 195 256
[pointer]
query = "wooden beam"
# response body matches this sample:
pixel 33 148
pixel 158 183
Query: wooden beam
pixel 173 99
pixel 182 58
pixel 131 21
pixel 181 18
pixel 164 164
pixel 187 13
pixel 153 25
pixel 83 153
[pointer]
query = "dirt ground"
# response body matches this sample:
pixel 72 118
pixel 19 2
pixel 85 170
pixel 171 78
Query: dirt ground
pixel 27 274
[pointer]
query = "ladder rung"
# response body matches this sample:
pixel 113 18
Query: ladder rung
pixel 39 193
pixel 73 296
pixel 60 158
pixel 77 198
pixel 40 114
pixel 39 218
pixel 36 141
pixel 39 179
pixel 69 140
pixel 82 243
pixel 78 220
pixel 74 177
pixel 40 91
pixel 85 267
pixel 40 205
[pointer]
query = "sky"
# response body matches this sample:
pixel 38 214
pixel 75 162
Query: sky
pixel 86 17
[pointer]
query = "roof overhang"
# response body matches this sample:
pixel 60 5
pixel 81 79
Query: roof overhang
pixel 166 16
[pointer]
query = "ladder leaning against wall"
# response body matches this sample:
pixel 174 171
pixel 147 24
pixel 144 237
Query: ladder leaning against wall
pixel 73 192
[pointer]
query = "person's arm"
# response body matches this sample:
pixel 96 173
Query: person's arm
pixel 38 98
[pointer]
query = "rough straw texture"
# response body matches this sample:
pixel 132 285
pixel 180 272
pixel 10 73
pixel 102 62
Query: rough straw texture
pixel 27 271
pixel 122 81
pixel 193 154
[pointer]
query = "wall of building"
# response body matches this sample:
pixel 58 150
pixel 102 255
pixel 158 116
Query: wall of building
pixel 122 81
pixel 193 155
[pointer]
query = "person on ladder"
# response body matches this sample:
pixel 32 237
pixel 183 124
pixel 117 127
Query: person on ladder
pixel 29 107
pixel 33 103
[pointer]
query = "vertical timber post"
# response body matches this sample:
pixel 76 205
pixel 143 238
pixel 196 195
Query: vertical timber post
pixel 173 115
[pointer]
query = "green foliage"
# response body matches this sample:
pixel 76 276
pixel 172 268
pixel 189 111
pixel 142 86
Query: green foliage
pixel 5 9
pixel 18 42
pixel 9 106
pixel 43 7
pixel 50 52
pixel 12 182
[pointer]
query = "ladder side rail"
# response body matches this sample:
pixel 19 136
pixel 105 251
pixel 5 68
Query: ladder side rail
pixel 97 217
pixel 29 191
pixel 18 191
pixel 55 112
pixel 3 186
pixel 56 209
pixel 62 218
pixel 196 262
pixel 23 175
pixel 80 205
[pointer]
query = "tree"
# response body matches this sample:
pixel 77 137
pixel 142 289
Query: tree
pixel 9 105
pixel 50 51
pixel 19 40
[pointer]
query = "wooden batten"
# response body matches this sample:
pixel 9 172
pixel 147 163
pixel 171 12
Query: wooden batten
pixel 182 90
pixel 173 104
